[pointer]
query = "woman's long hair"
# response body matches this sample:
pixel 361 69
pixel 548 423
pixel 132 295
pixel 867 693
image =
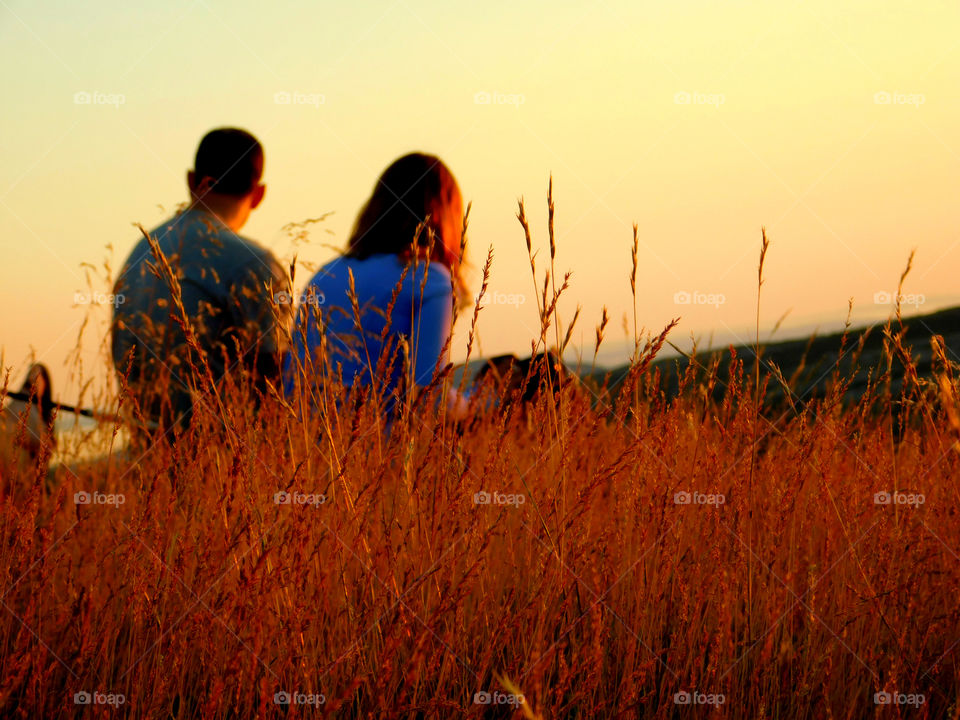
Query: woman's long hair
pixel 417 192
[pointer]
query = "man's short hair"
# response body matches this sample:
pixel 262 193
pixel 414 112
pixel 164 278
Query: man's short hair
pixel 232 159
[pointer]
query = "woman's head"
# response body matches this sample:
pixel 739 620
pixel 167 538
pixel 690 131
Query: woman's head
pixel 416 193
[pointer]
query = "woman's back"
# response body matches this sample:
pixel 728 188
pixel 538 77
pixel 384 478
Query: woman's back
pixel 420 316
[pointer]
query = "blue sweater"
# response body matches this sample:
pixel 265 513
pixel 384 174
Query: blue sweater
pixel 228 284
pixel 422 315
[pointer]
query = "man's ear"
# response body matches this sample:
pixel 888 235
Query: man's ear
pixel 199 186
pixel 256 195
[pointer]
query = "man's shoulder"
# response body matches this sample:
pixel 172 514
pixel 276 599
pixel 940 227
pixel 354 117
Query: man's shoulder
pixel 250 257
pixel 208 251
pixel 204 236
pixel 172 236
pixel 253 248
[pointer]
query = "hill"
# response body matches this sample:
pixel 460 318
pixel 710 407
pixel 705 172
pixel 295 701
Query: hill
pixel 809 364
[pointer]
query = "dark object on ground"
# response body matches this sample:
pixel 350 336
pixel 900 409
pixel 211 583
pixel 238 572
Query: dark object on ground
pixel 528 376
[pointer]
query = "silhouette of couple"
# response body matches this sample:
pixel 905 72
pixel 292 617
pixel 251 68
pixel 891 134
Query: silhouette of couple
pixel 204 304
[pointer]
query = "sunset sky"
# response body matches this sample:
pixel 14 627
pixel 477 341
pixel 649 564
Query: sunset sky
pixel 834 125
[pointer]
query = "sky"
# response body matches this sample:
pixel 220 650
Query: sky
pixel 832 125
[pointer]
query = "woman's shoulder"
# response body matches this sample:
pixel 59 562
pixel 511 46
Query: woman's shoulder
pixel 436 274
pixel 337 271
pixel 384 269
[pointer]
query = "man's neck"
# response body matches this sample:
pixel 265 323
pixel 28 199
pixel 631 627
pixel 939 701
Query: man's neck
pixel 230 214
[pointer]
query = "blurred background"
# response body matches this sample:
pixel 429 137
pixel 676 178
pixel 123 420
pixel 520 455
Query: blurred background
pixel 834 125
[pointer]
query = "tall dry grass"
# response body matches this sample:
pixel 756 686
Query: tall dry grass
pixel 602 595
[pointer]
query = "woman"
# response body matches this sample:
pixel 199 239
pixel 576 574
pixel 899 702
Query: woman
pixel 382 312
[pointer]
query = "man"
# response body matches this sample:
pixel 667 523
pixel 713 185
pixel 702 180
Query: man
pixel 202 301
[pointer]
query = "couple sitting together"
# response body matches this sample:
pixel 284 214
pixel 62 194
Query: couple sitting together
pixel 202 303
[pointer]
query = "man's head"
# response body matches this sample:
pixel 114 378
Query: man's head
pixel 226 175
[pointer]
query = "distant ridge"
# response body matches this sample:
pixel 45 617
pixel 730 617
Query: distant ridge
pixel 813 360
